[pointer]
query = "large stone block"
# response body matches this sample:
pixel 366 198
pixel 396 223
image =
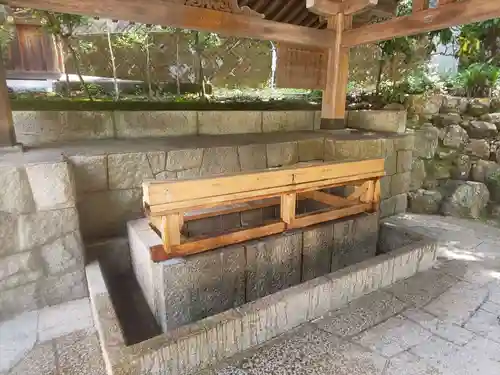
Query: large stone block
pixel 482 169
pixel 15 196
pixel 379 121
pixel 443 120
pixel 201 285
pixel 64 253
pixel 426 142
pixel 455 137
pixel 400 203
pixel 127 171
pixel 354 240
pixel 137 124
pixel 178 160
pixel 252 157
pixel 45 226
pixel 391 164
pixel 273 263
pixel 454 104
pixel 8 234
pixel 52 185
pixel 425 201
pixel 464 199
pixel 481 129
pixel 329 149
pixel 317 251
pixel 479 148
pixel 38 127
pixel 157 160
pixel 18 300
pixel 418 174
pixel 61 288
pixel 91 173
pixel 400 183
pixel 385 187
pixel 286 121
pixel 220 160
pixel 405 142
pixel 19 269
pixel 405 159
pixel 229 122
pixel 282 154
pixel 311 149
pixel 358 149
pixel 104 214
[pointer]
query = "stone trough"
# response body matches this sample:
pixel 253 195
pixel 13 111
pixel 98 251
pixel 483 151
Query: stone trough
pixel 186 314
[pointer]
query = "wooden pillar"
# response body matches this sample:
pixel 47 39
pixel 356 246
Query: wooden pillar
pixel 7 135
pixel 334 96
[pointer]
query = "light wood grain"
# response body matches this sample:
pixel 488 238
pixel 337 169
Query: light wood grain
pixel 305 221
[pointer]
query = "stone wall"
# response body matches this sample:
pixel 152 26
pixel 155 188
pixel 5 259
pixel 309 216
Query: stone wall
pixel 41 127
pixel 41 252
pixel 456 168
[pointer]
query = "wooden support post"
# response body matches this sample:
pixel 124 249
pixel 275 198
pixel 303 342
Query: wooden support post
pixel 171 232
pixel 7 135
pixel 419 5
pixel 334 96
pixel 288 205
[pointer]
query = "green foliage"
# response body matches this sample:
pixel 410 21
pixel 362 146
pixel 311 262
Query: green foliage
pixel 478 79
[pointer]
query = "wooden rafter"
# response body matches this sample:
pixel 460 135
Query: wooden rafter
pixel 171 14
pixel 452 14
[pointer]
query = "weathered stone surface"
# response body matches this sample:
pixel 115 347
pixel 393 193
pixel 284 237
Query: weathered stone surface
pixel 273 264
pixel 188 173
pixel 382 120
pixel 391 164
pixel 446 119
pixel 358 150
pixel 455 137
pixel 400 203
pixel 64 253
pixel 317 251
pixel 387 207
pixel 166 175
pixel 329 149
pixel 404 161
pixel 492 117
pixel 8 234
pixel 17 300
pixel 454 104
pixel 400 183
pixel 219 160
pixel 52 185
pixel 16 194
pixel 479 148
pixel 425 201
pixel 202 285
pixel 45 226
pixel 178 160
pixel 311 149
pixel 482 129
pixel 354 240
pixel 405 142
pixel 418 174
pixel 137 124
pixel 252 157
pixel 57 289
pixel 426 142
pixel 493 184
pixel 464 199
pixel 385 187
pixel 424 105
pixel 282 154
pixel 461 168
pixel 90 173
pixel 127 171
pixel 479 107
pixel 19 269
pixel 279 121
pixel 229 122
pixel 156 161
pixel 38 127
pixel 104 214
pixel 41 360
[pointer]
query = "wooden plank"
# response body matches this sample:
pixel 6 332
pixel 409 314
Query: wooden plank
pixel 367 196
pixel 354 6
pixel 358 191
pixel 7 134
pixel 172 14
pixel 162 209
pixel 160 192
pixel 463 12
pixel 196 246
pixel 328 199
pixel 170 231
pixel 324 7
pixel 288 207
pixel 305 221
pixel 419 5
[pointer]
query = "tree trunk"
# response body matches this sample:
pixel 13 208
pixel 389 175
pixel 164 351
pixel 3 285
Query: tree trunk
pixel 381 64
pixel 177 65
pixel 74 55
pixel 148 69
pixel 113 64
pixel 201 74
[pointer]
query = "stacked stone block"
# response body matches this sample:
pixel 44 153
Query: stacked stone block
pixel 184 290
pixel 41 255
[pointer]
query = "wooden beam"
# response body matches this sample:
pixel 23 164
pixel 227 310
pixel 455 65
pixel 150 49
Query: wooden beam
pixel 355 6
pixel 324 7
pixel 171 231
pixel 419 5
pixel 7 134
pixel 453 14
pixel 167 13
pixel 288 207
pixel 334 96
pixel 311 219
pixel 328 199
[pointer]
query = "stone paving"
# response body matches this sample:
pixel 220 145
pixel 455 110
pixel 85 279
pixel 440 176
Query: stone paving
pixel 445 321
pixel 58 340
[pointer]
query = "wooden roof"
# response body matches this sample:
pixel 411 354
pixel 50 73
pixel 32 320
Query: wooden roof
pixel 295 12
